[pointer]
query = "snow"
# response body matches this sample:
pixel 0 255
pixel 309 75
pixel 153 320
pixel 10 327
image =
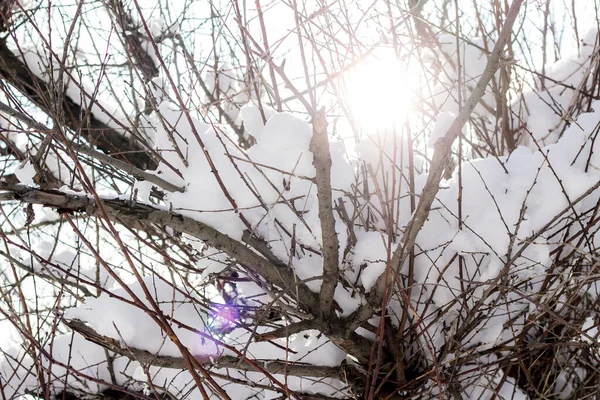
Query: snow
pixel 180 383
pixel 224 75
pixel 142 190
pixel 284 144
pixel 483 387
pixel 544 109
pixel 253 120
pixel 149 48
pixel 81 91
pixel 25 173
pixel 501 210
pixel 590 329
pixel 442 124
pixel 158 88
pixel 504 202
pixel 370 244
pixel 85 357
pixel 17 371
pixel 156 27
pixel 76 363
pixel 473 59
pixel 279 168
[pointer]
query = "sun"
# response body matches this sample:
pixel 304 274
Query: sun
pixel 380 92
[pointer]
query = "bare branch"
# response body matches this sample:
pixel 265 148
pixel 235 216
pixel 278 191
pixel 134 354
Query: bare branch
pixel 103 158
pixel 146 358
pixel 120 210
pixel 331 252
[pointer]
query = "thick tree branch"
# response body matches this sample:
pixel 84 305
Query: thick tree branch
pixel 286 331
pixel 133 43
pixel 120 210
pixel 132 40
pixel 135 213
pixel 146 358
pixel 103 158
pixel 262 247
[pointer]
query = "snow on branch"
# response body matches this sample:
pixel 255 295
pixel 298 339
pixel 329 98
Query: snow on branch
pixel 123 210
pixel 147 358
pixel 378 296
pixel 108 139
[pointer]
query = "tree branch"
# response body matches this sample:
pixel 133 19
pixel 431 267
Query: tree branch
pixel 132 40
pixel 103 158
pixel 146 358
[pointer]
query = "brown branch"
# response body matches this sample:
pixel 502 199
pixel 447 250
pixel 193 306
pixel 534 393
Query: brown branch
pixel 263 248
pixel 103 158
pixel 133 43
pixel 319 146
pixel 288 330
pixel 133 213
pixel 132 39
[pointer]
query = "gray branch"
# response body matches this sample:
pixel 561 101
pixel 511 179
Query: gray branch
pixel 107 139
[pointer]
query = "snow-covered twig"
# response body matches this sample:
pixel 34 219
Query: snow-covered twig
pixel 225 361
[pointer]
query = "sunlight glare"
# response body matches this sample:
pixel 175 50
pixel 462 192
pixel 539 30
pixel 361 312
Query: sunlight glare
pixel 380 93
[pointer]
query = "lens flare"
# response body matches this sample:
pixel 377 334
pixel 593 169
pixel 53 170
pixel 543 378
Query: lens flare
pixel 380 92
pixel 224 317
